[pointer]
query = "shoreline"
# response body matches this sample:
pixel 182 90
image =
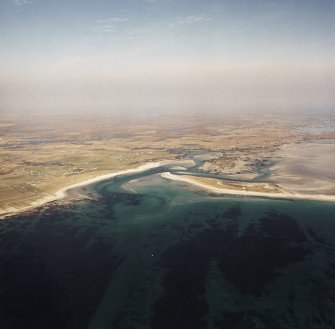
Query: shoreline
pixel 281 195
pixel 62 193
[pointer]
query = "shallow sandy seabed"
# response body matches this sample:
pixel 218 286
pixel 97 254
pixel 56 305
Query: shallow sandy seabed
pixel 306 168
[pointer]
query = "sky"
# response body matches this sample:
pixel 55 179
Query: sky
pixel 166 56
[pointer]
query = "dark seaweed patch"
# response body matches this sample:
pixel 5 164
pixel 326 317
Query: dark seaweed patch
pixel 126 198
pixel 253 259
pixel 247 320
pixel 248 261
pixel 233 212
pixel 315 236
pixel 55 277
pixel 183 304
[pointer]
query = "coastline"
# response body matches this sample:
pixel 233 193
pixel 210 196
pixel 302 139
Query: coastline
pixel 62 193
pixel 281 195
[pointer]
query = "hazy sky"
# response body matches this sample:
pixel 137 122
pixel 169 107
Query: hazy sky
pixel 166 55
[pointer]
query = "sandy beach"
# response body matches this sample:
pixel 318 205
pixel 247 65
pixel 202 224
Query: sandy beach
pixel 218 190
pixel 61 193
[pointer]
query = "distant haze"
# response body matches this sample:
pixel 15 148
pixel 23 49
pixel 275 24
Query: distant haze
pixel 161 56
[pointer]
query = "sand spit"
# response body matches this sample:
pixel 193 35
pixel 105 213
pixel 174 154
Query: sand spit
pixel 61 194
pixel 279 195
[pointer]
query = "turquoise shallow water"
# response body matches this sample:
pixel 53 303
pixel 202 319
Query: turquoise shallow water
pixel 152 253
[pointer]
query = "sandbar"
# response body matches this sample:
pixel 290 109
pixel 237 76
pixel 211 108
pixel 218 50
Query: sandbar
pixel 240 192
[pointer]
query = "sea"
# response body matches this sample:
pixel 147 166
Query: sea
pixel 145 252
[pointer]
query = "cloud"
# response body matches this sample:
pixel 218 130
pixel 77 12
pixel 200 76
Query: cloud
pixel 104 28
pixel 22 2
pixel 114 19
pixel 110 24
pixel 188 20
pixel 121 28
pixel 122 31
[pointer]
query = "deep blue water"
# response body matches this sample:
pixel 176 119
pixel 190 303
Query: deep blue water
pixel 151 253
